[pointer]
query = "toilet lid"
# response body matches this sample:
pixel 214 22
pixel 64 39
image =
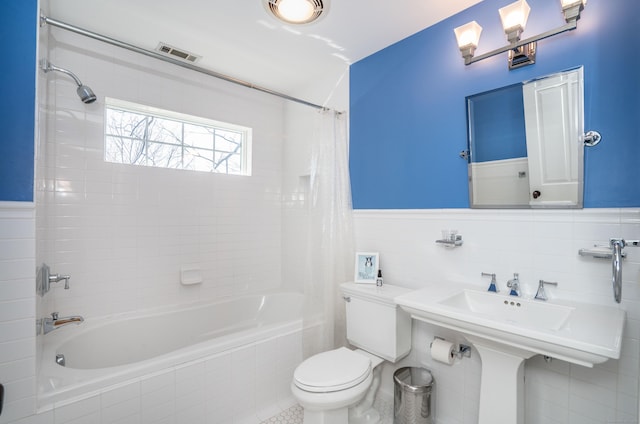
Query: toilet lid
pixel 332 371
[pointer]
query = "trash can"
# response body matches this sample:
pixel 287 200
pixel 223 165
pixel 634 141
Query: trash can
pixel 413 390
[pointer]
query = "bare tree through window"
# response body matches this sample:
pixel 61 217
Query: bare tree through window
pixel 141 138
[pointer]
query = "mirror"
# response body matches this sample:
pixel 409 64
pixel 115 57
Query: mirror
pixel 525 144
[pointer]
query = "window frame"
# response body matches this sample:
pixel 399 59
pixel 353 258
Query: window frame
pixel 182 119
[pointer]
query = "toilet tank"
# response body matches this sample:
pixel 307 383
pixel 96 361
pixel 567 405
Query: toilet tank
pixel 374 322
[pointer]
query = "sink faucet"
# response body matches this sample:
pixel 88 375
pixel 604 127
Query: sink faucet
pixel 514 285
pixel 53 323
pixel 492 286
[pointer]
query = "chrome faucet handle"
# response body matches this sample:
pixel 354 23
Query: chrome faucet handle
pixel 54 316
pixel 492 286
pixel 623 243
pixel 55 278
pixel 541 294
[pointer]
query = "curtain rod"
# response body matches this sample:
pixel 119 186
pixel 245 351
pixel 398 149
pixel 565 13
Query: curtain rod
pixel 53 22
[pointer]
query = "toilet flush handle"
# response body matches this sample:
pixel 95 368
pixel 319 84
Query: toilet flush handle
pixel 347 298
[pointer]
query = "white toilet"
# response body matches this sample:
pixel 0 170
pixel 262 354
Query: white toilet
pixel 339 386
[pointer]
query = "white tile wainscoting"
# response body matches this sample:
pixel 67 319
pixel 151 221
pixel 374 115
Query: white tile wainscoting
pixel 17 309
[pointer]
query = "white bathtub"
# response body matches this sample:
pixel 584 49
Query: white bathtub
pixel 103 352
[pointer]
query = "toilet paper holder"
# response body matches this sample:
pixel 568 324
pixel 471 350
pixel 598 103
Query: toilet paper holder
pixel 462 351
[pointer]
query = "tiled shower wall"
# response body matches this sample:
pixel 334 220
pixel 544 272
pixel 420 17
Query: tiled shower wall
pixel 123 232
pixel 539 244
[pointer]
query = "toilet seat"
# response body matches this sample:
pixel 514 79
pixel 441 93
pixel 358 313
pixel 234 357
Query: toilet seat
pixel 332 371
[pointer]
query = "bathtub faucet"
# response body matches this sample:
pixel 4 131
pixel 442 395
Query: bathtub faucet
pixel 53 323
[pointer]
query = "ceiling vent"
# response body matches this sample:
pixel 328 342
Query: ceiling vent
pixel 297 11
pixel 177 53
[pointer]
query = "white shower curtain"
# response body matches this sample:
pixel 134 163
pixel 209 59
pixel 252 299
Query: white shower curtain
pixel 330 235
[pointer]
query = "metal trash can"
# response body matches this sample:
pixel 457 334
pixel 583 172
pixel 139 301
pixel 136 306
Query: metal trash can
pixel 412 393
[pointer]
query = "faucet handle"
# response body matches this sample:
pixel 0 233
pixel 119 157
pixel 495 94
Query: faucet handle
pixel 54 316
pixel 623 243
pixel 541 294
pixel 55 278
pixel 492 286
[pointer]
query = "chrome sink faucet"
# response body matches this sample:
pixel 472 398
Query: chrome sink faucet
pixel 514 285
pixel 55 322
pixel 493 287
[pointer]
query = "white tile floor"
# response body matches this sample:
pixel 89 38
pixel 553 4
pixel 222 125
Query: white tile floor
pixel 294 414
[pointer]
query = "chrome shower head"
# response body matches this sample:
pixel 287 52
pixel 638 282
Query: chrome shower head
pixel 85 93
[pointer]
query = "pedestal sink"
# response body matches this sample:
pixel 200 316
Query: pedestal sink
pixel 507 330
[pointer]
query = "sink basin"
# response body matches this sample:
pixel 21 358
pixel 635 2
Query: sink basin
pixel 506 330
pixel 511 310
pixel 580 333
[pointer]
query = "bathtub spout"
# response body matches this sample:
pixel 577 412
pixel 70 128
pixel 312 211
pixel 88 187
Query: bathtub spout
pixel 53 323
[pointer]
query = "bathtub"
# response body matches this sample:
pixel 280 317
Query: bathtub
pixel 108 352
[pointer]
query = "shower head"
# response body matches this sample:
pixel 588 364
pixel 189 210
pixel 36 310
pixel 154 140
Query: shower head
pixel 85 93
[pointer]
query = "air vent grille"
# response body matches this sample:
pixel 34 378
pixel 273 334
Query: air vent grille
pixel 178 53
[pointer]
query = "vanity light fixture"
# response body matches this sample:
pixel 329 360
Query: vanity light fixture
pixel 514 20
pixel 296 11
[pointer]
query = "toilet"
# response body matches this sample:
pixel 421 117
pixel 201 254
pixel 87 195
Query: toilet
pixel 340 385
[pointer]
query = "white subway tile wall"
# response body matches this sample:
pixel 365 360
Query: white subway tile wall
pixel 538 244
pixel 122 231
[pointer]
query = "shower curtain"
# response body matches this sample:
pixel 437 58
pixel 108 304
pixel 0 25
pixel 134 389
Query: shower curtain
pixel 330 235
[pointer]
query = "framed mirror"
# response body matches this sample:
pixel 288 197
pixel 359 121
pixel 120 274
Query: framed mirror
pixel 525 144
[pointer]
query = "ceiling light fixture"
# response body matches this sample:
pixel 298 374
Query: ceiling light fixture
pixel 514 20
pixel 296 11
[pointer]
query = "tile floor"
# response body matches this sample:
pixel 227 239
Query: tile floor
pixel 294 414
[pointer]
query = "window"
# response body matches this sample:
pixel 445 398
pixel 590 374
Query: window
pixel 143 135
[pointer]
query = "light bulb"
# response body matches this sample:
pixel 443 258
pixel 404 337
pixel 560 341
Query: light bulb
pixel 295 11
pixel 515 15
pixel 468 34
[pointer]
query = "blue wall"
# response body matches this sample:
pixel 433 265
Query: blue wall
pixel 408 117
pixel 18 33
